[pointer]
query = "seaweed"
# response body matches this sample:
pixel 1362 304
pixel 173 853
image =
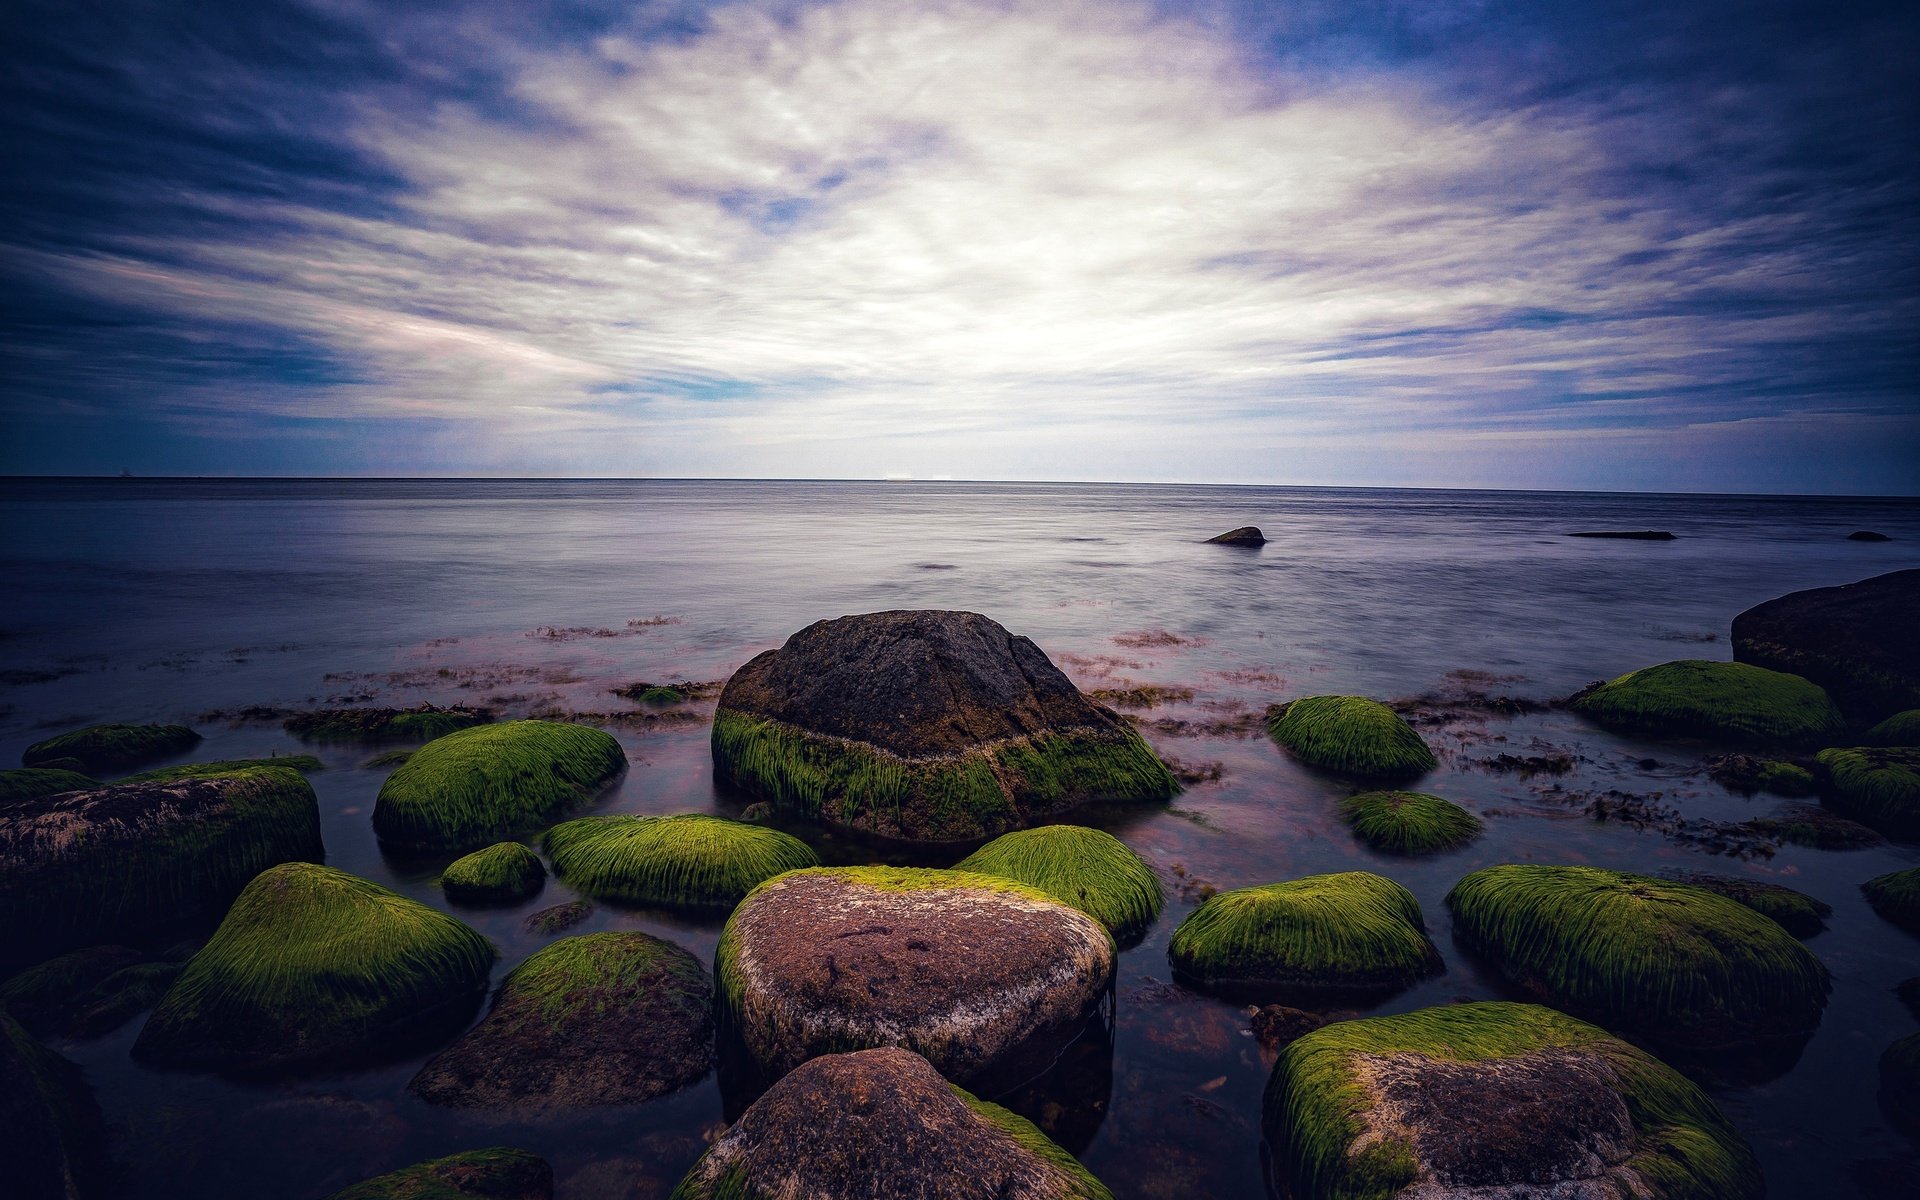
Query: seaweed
pixel 499 1173
pixel 1094 872
pixel 420 724
pixel 303 763
pixel 505 872
pixel 102 748
pixel 691 860
pixel 478 785
pixel 1350 735
pixel 31 783
pixel 1732 701
pixel 1027 1135
pixel 1409 822
pixel 1878 786
pixel 1900 729
pixel 1896 896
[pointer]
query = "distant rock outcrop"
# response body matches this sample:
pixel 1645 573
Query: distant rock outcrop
pixel 1246 535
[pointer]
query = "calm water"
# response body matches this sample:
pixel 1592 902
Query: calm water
pixel 162 600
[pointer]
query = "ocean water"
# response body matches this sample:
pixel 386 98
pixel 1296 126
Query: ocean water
pixel 136 600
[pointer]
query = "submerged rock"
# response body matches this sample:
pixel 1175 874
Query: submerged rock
pixel 1896 896
pixel 31 783
pixel 1093 871
pixel 497 1174
pixel 86 993
pixel 608 1018
pixel 503 873
pixel 1796 912
pixel 1246 535
pixel 52 1140
pixel 1698 698
pixel 883 1125
pixel 1878 786
pixel 1816 827
pixel 691 860
pixel 923 725
pixel 1277 1025
pixel 99 749
pixel 1633 535
pixel 1350 735
pixel 1749 774
pixel 965 969
pixel 558 918
pixel 421 724
pixel 1495 1101
pixel 1409 822
pixel 478 785
pixel 1859 641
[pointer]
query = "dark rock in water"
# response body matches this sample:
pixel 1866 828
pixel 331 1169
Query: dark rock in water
pixel 86 993
pixel 479 785
pixel 608 1018
pixel 102 748
pixel 883 1125
pixel 1900 1083
pixel 125 860
pixel 496 1174
pixel 52 1140
pixel 923 725
pixel 1874 785
pixel 31 783
pixel 1796 912
pixel 1909 992
pixel 1276 1025
pixel 1896 897
pixel 1749 773
pixel 559 918
pixel 1810 825
pixel 1635 535
pixel 1867 535
pixel 421 724
pixel 1246 535
pixel 1860 641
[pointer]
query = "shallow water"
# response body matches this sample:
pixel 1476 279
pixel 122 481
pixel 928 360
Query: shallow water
pixel 162 600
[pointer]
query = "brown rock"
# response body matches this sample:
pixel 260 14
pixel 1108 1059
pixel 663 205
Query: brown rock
pixel 1860 642
pixel 1276 1024
pixel 1246 535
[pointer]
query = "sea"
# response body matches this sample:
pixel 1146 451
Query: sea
pixel 207 602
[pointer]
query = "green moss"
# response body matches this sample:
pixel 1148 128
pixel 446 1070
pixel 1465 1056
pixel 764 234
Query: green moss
pixel 496 1174
pixel 312 964
pixel 1724 700
pixel 102 748
pixel 660 696
pixel 1900 729
pixel 1796 912
pixel 1095 872
pixel 1409 822
pixel 31 783
pixel 1809 825
pixel 482 784
pixel 1316 1102
pixel 1349 932
pixel 1350 735
pixel 1675 963
pixel 502 872
pixel 582 977
pixel 689 860
pixel 1028 1137
pixel 1785 778
pixel 383 724
pixel 1875 785
pixel 303 763
pixel 1896 896
pixel 388 758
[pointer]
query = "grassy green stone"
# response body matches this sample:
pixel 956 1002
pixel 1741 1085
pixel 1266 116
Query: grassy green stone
pixel 1095 872
pixel 1896 896
pixel 1729 701
pixel 500 873
pixel 1875 785
pixel 690 860
pixel 1350 735
pixel 107 748
pixel 482 784
pixel 1409 822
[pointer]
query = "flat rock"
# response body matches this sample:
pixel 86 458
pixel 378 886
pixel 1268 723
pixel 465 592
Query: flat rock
pixel 1632 535
pixel 1860 641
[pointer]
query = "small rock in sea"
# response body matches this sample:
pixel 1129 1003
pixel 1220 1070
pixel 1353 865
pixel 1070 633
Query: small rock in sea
pixel 99 749
pixel 421 724
pixel 1634 535
pixel 480 784
pixel 1726 701
pixel 496 1174
pixel 1867 535
pixel 1087 868
pixel 759 810
pixel 1878 786
pixel 559 918
pixel 690 860
pixel 1246 535
pixel 1896 897
pixel 1276 1024
pixel 1796 912
pixel 1750 773
pixel 503 873
pixel 1350 735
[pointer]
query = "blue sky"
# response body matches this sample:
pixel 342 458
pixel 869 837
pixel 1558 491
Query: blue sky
pixel 1668 246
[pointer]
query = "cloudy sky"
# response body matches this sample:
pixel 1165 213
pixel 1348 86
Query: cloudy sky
pixel 1670 245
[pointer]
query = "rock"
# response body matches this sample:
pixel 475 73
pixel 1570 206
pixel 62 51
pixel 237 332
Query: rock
pixel 1900 1083
pixel 1735 702
pixel 496 1174
pixel 86 993
pixel 103 748
pixel 608 1018
pixel 1246 535
pixel 303 763
pixel 691 860
pixel 1896 896
pixel 1900 729
pixel 1867 535
pixel 1093 871
pixel 923 725
pixel 479 785
pixel 1276 1025
pixel 1878 786
pixel 1860 641
pixel 314 965
pixel 968 970
pixel 126 860
pixel 1796 912
pixel 421 724
pixel 1909 992
pixel 1749 774
pixel 1326 936
pixel 558 918
pixel 1494 1101
pixel 52 1139
pixel 503 873
pixel 1810 825
pixel 1409 822
pixel 1674 964
pixel 883 1125
pixel 31 783
pixel 1350 735
pixel 1634 535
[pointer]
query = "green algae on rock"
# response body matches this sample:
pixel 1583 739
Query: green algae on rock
pixel 1350 735
pixel 421 724
pixel 1747 774
pixel 1896 897
pixel 925 726
pixel 1351 933
pixel 52 1138
pixel 316 965
pixel 303 763
pixel 1815 827
pixel 883 1125
pixel 31 783
pixel 691 860
pixel 1875 785
pixel 104 748
pixel 502 873
pixel 1673 963
pixel 500 1173
pixel 1409 822
pixel 479 785
pixel 1729 701
pixel 1857 641
pixel 1900 729
pixel 124 860
pixel 1796 912
pixel 1494 1099
pixel 86 993
pixel 603 1019
pixel 1093 871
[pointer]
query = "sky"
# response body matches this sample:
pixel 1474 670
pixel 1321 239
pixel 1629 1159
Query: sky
pixel 1667 246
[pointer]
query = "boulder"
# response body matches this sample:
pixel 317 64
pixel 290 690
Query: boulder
pixel 1860 641
pixel 969 970
pixel 1896 896
pixel 52 1139
pixel 686 861
pixel 497 1174
pixel 421 724
pixel 926 726
pixel 1093 871
pixel 86 993
pixel 478 785
pixel 1815 827
pixel 1350 735
pixel 1796 912
pixel 1246 535
pixel 31 783
pixel 306 764
pixel 1494 1101
pixel 101 749
pixel 1734 702
pixel 883 1125
pixel 1900 729
pixel 503 873
pixel 1409 822
pixel 607 1018
pixel 1748 773
pixel 1878 786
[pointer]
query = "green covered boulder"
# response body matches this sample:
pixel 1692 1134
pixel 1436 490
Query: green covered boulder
pixel 1351 736
pixel 1093 871
pixel 88 992
pixel 1796 912
pixel 1723 701
pixel 1409 822
pixel 31 783
pixel 685 861
pixel 1896 896
pixel 52 1140
pixel 479 785
pixel 420 724
pixel 303 763
pixel 496 1174
pixel 503 873
pixel 314 965
pixel 1494 1100
pixel 1900 729
pixel 1331 936
pixel 103 749
pixel 1877 786
pixel 1675 964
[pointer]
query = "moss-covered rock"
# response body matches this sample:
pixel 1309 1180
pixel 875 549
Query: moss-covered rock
pixel 1748 773
pixel 503 873
pixel 86 993
pixel 1734 702
pixel 1409 822
pixel 303 763
pixel 100 749
pixel 1900 729
pixel 1673 963
pixel 1093 871
pixel 421 724
pixel 882 1125
pixel 972 971
pixel 608 1018
pixel 125 860
pixel 31 783
pixel 482 784
pixel 1352 933
pixel 1857 641
pixel 496 1174
pixel 1817 828
pixel 1900 1082
pixel 51 1136
pixel 1350 735
pixel 316 965
pixel 1896 896
pixel 1494 1100
pixel 1875 785
pixel 689 861
pixel 926 726
pixel 557 918
pixel 1796 912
